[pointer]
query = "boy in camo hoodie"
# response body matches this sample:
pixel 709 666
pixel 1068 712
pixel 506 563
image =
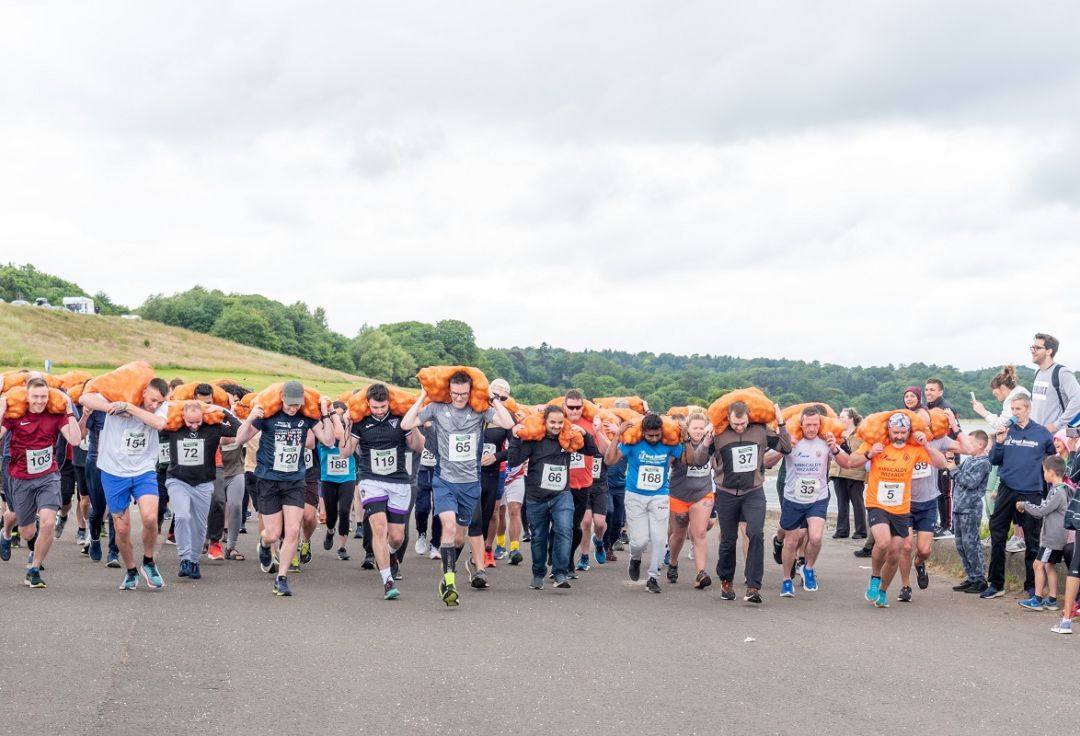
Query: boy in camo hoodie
pixel 969 488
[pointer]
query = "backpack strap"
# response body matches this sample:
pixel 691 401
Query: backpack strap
pixel 1055 379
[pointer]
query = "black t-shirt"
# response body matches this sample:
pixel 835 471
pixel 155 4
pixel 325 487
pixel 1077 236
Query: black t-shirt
pixel 381 451
pixel 549 465
pixel 495 439
pixel 192 454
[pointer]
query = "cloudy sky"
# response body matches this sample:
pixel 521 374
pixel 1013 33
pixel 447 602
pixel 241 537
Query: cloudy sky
pixel 852 182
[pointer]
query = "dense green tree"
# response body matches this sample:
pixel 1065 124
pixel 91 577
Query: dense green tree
pixel 376 356
pixel 245 324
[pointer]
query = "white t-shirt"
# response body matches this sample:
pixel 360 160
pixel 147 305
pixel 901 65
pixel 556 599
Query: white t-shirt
pixel 127 447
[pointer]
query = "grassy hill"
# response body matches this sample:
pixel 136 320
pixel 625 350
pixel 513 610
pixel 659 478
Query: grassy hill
pixel 30 335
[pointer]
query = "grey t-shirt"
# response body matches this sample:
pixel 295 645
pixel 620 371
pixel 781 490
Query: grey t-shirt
pixel 459 433
pixel 690 483
pixel 924 478
pixel 1046 406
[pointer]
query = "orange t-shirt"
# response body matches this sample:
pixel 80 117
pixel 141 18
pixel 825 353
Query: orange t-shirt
pixel 888 486
pixel 581 465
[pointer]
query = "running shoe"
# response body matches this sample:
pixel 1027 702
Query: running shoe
pixel 537 582
pixel 243 529
pixel 358 533
pixel 905 594
pixel 80 536
pixel 185 569
pixel 214 551
pixel 500 553
pixel 963 586
pixel 170 539
pixel 753 595
pixel 448 589
pixel 434 554
pixel 863 552
pixel 1034 603
pixel 583 563
pixel 562 583
pixel 130 581
pixel 619 546
pixel 809 580
pixel 667 557
pixel 652 585
pixel 702 581
pixel 601 555
pixel 61 522
pixel 516 557
pixel 266 557
pixel 787 589
pixel 33 578
pixel 114 560
pixel 727 590
pixel 395 568
pixel 526 536
pixel 609 552
pixel 294 566
pixel 369 561
pixel 921 578
pixel 572 575
pixel 196 571
pixel 281 586
pixel 978 588
pixel 305 551
pixel 421 547
pixel 390 591
pixel 1064 627
pixel 1015 544
pixel 634 569
pixel 470 568
pixel 152 576
pixel 796 572
pixel 95 551
pixel 1051 604
pixel 941 533
pixel 489 558
pixel 328 540
pixel 873 589
pixel 882 600
pixel 342 554
pixel 991 592
pixel 690 554
pixel 778 551
pixel 479 580
pixel 16 538
pixel 673 574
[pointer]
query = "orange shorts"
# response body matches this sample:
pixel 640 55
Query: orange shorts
pixel 683 507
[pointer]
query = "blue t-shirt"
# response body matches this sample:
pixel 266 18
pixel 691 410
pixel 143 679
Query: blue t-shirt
pixel 344 469
pixel 647 467
pixel 281 446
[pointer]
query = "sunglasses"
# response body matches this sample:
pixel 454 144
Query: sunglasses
pixel 576 407
pixel 502 398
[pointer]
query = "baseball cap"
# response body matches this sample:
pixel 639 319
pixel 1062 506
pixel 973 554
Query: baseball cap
pixel 292 393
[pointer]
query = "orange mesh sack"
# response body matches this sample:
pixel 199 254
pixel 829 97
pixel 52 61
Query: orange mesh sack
pixel 71 379
pixel 76 391
pixel 436 382
pixel 186 392
pixel 797 409
pixel 212 414
pixel 874 429
pixel 939 424
pixel 400 403
pixel 11 380
pixel 534 428
pixel 18 405
pixel 126 383
pixel 588 410
pixel 636 403
pixel 616 416
pixel 242 410
pixel 760 408
pixel 271 401
pixel 671 432
pixel 829 425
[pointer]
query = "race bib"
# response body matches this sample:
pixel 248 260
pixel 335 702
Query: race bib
pixel 553 478
pixel 489 448
pixel 189 452
pixel 163 453
pixel 577 461
pixel 427 459
pixel 890 494
pixel 462 448
pixel 133 442
pixel 309 458
pixel 744 459
pixel 286 457
pixel 597 464
pixel 337 465
pixel 806 489
pixel 922 470
pixel 698 471
pixel 650 478
pixel 384 462
pixel 38 461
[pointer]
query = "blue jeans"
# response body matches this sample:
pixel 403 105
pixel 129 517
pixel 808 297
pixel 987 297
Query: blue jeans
pixel 555 516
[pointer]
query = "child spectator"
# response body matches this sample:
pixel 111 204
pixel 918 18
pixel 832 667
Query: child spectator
pixel 969 488
pixel 1052 537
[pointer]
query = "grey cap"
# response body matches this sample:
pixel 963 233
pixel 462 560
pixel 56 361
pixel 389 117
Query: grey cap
pixel 292 393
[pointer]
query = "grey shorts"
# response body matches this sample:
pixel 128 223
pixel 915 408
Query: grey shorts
pixel 28 496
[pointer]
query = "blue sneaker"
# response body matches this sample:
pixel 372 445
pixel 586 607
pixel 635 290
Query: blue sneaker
pixel 5 548
pixel 787 589
pixel 281 586
pixel 500 552
pixel 667 557
pixel 185 569
pixel 196 571
pixel 1063 627
pixel 583 564
pixel 114 560
pixel 601 554
pixel 873 590
pixel 1034 603
pixel 152 576
pixel 266 557
pixel 130 582
pixel 809 580
pixel 992 592
pixel 882 601
pixel 1051 604
pixel 95 550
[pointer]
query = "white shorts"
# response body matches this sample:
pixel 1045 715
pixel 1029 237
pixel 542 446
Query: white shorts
pixel 396 495
pixel 515 491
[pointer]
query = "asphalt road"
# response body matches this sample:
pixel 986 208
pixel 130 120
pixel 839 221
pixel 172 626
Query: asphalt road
pixel 223 655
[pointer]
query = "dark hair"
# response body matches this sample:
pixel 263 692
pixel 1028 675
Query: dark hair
pixel 204 389
pixel 1005 377
pixel 36 382
pixel 1055 464
pixel 552 409
pixel 856 417
pixel 651 422
pixel 461 377
pixel 378 392
pixel 738 409
pixel 574 394
pixel 812 411
pixel 340 405
pixel 178 381
pixel 159 385
pixel 937 382
pixel 235 390
pixel 1050 341
pixel 980 436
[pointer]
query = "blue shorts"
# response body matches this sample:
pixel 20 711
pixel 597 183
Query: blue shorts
pixel 794 515
pixel 119 490
pixel 923 515
pixel 500 490
pixel 461 498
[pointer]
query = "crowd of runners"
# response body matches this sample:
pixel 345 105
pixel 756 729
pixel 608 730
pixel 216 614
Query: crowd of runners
pixel 471 489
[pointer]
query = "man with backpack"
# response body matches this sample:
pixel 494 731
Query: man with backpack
pixel 1055 394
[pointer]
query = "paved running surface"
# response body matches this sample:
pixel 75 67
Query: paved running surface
pixel 223 655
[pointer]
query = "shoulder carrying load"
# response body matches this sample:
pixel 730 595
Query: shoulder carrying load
pixel 829 425
pixel 616 416
pixel 271 401
pixel 126 383
pixel 797 409
pixel 685 411
pixel 519 411
pixel 436 381
pixel 76 391
pixel 242 410
pixel 636 403
pixel 186 392
pixel 875 428
pixel 11 380
pixel 400 402
pixel 533 429
pixel 588 410
pixel 18 405
pixel 212 414
pixel 760 408
pixel 671 432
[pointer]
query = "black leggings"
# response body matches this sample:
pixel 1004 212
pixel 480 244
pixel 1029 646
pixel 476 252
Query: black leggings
pixel 581 504
pixel 489 489
pixel 850 492
pixel 337 500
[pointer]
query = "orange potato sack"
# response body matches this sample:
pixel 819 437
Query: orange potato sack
pixel 671 432
pixel 126 383
pixel 829 425
pixel 875 428
pixel 242 410
pixel 186 392
pixel 636 403
pixel 11 380
pixel 534 428
pixel 212 414
pixel 76 391
pixel 400 403
pixel 797 409
pixel 616 416
pixel 71 379
pixel 436 381
pixel 271 402
pixel 760 408
pixel 18 405
pixel 939 423
pixel 587 413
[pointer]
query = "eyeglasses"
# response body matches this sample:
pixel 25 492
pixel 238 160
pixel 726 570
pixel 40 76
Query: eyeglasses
pixel 577 407
pixel 460 395
pixel 1037 347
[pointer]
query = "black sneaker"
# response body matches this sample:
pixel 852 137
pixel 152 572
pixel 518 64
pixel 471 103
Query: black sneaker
pixel 672 574
pixel 778 551
pixel 266 557
pixel 840 535
pixel 516 557
pixel 753 595
pixel 963 586
pixel 369 561
pixel 342 554
pixel 562 583
pixel 653 585
pixel 859 535
pixel 395 568
pixel 921 578
pixel 634 569
pixel 978 587
pixel 702 581
pixel 727 590
pixel 359 532
pixel 328 542
pixel 905 594
pixel 864 552
pixel 478 579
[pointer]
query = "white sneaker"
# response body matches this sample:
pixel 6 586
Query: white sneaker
pixel 422 545
pixel 1015 544
pixel 691 555
pixel 434 554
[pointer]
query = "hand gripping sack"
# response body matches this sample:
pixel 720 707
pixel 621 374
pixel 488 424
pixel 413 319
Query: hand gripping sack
pixel 760 408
